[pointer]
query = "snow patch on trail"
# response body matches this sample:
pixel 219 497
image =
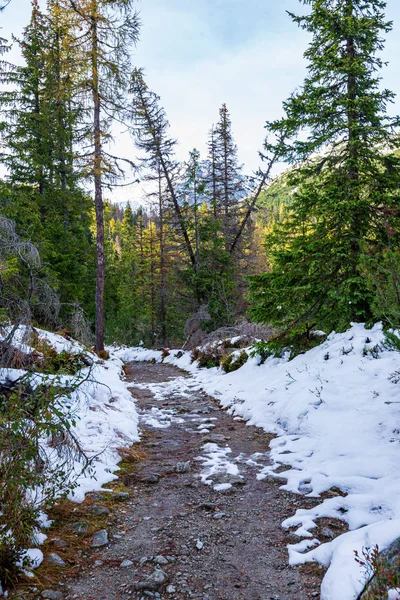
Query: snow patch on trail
pixel 335 412
pixel 216 464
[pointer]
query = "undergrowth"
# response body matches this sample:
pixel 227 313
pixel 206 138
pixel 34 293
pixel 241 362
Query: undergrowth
pixel 233 362
pixel 283 344
pixel 381 571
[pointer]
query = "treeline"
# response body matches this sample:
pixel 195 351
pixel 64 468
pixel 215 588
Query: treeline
pixel 194 243
pixel 334 256
pixel 332 221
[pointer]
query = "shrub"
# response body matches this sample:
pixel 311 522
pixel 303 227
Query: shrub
pixel 280 345
pixel 207 356
pixel 37 455
pixel 233 362
pixel 392 341
pixel 382 571
pixel 52 362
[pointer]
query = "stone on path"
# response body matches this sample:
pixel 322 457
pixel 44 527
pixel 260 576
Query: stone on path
pixel 153 581
pixel 121 496
pixel 125 564
pixel 52 595
pixel 54 559
pixel 99 510
pixel 100 539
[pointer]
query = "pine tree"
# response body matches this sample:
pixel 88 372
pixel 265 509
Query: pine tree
pixel 346 173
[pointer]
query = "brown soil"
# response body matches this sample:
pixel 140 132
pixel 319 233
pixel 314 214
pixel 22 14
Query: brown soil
pixel 244 554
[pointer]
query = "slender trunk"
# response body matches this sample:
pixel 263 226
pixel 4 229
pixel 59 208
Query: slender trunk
pixel 163 311
pixel 152 286
pixel 265 177
pixel 213 174
pixel 171 188
pixel 98 191
pixel 357 216
pixel 196 221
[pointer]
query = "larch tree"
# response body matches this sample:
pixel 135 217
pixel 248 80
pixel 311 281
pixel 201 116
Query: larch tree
pixel 346 174
pixel 106 30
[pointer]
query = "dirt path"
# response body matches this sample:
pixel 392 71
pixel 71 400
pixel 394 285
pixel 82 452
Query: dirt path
pixel 181 538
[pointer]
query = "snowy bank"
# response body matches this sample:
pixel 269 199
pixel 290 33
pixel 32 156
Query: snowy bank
pixel 102 406
pixel 335 412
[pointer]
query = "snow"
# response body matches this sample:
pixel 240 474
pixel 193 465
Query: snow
pixel 215 463
pixel 335 414
pixel 105 414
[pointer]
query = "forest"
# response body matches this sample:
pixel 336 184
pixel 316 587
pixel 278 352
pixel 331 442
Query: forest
pixel 302 249
pixel 290 252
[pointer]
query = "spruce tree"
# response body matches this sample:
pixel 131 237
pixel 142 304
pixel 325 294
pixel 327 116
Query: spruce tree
pixel 346 174
pixel 40 135
pixel 227 181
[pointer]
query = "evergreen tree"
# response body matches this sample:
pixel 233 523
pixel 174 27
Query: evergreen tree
pixel 39 135
pixel 346 174
pixel 228 181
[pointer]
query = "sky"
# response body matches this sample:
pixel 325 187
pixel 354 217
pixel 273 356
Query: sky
pixel 199 54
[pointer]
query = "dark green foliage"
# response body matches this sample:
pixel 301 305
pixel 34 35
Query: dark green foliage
pixel 208 357
pixel 285 343
pixel 346 182
pixel 233 362
pixel 40 130
pixel 31 415
pixel 381 269
pixel 392 340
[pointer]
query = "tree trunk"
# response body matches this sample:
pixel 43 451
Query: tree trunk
pixel 163 311
pixel 98 191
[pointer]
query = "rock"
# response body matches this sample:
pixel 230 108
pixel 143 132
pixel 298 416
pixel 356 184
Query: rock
pixel 121 496
pixel 179 354
pixel 125 564
pixel 207 505
pixel 153 581
pixel 95 495
pixel 199 545
pixel 171 589
pixel 328 533
pixel 99 510
pixel 59 543
pixel 79 528
pixel 98 563
pixel 100 539
pixel 183 467
pixel 152 478
pixel 52 595
pixel 214 438
pixel 160 560
pixel 54 559
pixel 224 477
pixel 219 515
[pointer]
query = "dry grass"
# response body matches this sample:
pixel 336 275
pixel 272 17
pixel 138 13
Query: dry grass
pixel 131 455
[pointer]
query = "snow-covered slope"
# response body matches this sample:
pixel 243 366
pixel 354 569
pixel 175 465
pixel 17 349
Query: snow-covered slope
pixel 335 411
pixel 102 406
